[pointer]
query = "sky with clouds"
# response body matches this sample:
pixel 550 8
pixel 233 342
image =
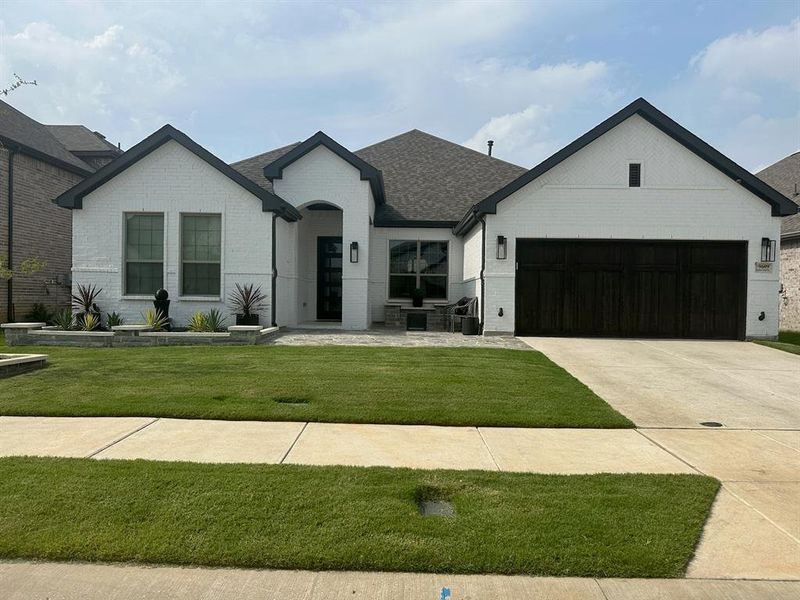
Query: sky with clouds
pixel 245 77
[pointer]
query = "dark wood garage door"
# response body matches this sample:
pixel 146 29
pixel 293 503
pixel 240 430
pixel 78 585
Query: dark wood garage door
pixel 631 289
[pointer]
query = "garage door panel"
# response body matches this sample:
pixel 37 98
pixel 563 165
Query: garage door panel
pixel 630 288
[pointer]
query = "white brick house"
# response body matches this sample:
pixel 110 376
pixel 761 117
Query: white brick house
pixel 638 228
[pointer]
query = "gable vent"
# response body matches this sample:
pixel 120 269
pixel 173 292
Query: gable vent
pixel 635 175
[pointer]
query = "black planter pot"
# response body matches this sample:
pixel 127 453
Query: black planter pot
pixel 469 326
pixel 247 319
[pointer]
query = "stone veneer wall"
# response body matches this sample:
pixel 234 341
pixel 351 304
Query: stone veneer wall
pixel 395 316
pixel 790 282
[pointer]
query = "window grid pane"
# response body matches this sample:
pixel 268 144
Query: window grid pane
pixel 420 264
pixel 201 250
pixel 144 253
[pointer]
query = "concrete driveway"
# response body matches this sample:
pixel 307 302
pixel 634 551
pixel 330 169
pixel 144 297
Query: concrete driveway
pixel 681 383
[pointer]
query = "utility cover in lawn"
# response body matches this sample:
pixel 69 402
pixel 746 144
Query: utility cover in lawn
pixel 350 518
pixel 421 386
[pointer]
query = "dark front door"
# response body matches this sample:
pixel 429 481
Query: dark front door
pixel 329 278
pixel 631 288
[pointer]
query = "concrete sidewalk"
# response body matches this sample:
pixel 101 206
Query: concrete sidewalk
pixel 71 581
pixel 753 531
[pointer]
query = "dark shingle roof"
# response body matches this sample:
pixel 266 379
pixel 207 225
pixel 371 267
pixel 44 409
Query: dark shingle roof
pixel 77 138
pixel 73 197
pixel 430 179
pixel 425 178
pixel 784 176
pixel 253 167
pixel 36 139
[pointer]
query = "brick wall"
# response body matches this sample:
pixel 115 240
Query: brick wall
pixel 41 230
pixel 790 280
pixel 171 180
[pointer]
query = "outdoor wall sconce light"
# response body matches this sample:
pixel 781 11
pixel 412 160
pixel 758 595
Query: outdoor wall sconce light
pixel 502 247
pixel 353 252
pixel 768 250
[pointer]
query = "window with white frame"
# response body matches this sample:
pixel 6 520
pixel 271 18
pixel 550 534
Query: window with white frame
pixel 418 264
pixel 144 253
pixel 201 251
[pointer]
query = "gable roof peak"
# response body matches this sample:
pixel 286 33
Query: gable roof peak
pixel 781 206
pixel 274 170
pixel 73 198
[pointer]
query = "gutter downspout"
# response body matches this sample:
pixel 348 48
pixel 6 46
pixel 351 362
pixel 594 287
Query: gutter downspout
pixel 482 220
pixel 274 270
pixel 10 253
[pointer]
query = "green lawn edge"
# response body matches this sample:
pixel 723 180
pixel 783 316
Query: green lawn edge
pixel 788 341
pixel 344 384
pixel 350 518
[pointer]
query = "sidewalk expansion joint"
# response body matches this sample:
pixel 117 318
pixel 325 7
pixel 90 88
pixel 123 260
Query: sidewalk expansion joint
pixel 291 447
pixel 670 452
pixel 489 450
pixel 124 437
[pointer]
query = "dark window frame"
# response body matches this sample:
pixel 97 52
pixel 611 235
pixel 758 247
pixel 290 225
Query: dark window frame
pixel 417 274
pixel 126 292
pixel 182 261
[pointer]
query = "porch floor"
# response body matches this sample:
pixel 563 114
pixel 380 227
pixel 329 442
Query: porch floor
pixel 331 334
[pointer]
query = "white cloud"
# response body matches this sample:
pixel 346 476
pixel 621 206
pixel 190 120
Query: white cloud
pixel 93 79
pixel 742 89
pixel 743 58
pixel 535 102
pixel 524 133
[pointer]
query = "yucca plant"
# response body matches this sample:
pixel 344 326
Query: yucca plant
pixel 90 322
pixel 154 319
pixel 63 319
pixel 113 319
pixel 214 320
pixel 247 299
pixel 198 322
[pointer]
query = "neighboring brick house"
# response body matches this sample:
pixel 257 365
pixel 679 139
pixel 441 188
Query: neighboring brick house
pixel 784 176
pixel 35 167
pixel 637 228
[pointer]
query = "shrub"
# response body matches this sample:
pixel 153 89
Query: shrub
pixel 207 322
pixel 215 320
pixel 39 313
pixel 155 319
pixel 63 319
pixel 113 319
pixel 247 299
pixel 90 322
pixel 84 298
pixel 198 322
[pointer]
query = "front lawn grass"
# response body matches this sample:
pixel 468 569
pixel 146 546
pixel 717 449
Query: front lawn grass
pixel 439 386
pixel 788 341
pixel 349 518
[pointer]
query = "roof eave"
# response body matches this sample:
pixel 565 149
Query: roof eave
pixel 61 164
pixel 781 206
pixel 73 198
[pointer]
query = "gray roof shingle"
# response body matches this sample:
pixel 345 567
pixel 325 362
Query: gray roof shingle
pixel 78 138
pixel 253 167
pixel 425 178
pixel 20 128
pixel 430 179
pixel 784 176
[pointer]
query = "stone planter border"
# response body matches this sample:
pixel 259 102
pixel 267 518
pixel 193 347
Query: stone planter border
pixel 13 364
pixel 38 334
